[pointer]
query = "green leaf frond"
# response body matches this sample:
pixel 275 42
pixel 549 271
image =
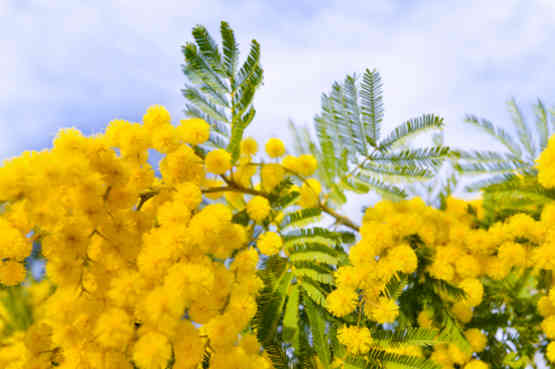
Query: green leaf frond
pixel 524 132
pixel 314 293
pixel 325 278
pixel 442 287
pixel 270 303
pixel 360 181
pixel 394 360
pixel 291 315
pixel 372 110
pixel 277 355
pixel 316 253
pixel 218 91
pixel 411 128
pixel 352 155
pixel 424 157
pixel 300 218
pixel 542 124
pixel 498 133
pixel 507 178
pixel 394 287
pixel 411 336
pixel 312 235
pixel 318 330
pixel 498 167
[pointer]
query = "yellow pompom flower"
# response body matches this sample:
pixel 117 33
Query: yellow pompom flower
pixel 275 147
pixel 425 319
pixel 271 175
pixel 258 208
pixel 194 131
pixel 341 301
pixel 545 164
pixel 474 291
pixel 550 352
pixel 188 194
pixel 11 272
pixel 457 355
pixel 356 339
pixel 114 328
pixel 384 311
pixel 545 306
pixel 249 146
pixel 152 351
pixel 476 364
pixel 188 346
pixel 441 270
pixel 291 163
pixel 164 139
pixel 155 117
pixel 307 165
pixel 269 243
pixel 218 161
pixel 512 253
pixel 309 193
pixel 548 326
pixel 405 258
pixel 13 244
pixel 462 311
pixel 467 266
pixel 441 356
pixel 476 338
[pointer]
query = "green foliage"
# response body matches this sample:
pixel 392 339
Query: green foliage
pixel 352 153
pixel 508 178
pixel 219 91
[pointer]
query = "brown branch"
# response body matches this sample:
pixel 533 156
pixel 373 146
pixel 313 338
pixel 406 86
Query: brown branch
pixel 235 187
pixel 341 219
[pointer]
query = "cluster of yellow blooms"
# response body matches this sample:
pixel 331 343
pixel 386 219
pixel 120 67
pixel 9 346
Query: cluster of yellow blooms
pixel 138 260
pixel 462 254
pixel 148 273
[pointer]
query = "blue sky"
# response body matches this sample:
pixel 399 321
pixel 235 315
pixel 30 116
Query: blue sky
pixel 84 63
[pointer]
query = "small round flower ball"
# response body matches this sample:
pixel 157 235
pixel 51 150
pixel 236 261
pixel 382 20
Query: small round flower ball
pixel 550 352
pixel 269 243
pixel 155 117
pixel 218 161
pixel 307 165
pixel 249 146
pixel 548 326
pixel 476 364
pixel 275 148
pixel 194 131
pixel 188 194
pixel 425 319
pixel 291 163
pixel 152 351
pixel 258 208
pixel 476 338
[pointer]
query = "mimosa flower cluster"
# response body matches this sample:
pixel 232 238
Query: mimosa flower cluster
pixel 139 260
pixel 462 254
pixel 148 268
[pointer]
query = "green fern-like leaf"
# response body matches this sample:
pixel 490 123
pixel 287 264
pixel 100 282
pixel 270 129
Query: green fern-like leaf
pixel 300 217
pixel 411 128
pixel 394 360
pixel 318 332
pixel 351 153
pixel 409 337
pixel 218 91
pixel 291 316
pixel 314 293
